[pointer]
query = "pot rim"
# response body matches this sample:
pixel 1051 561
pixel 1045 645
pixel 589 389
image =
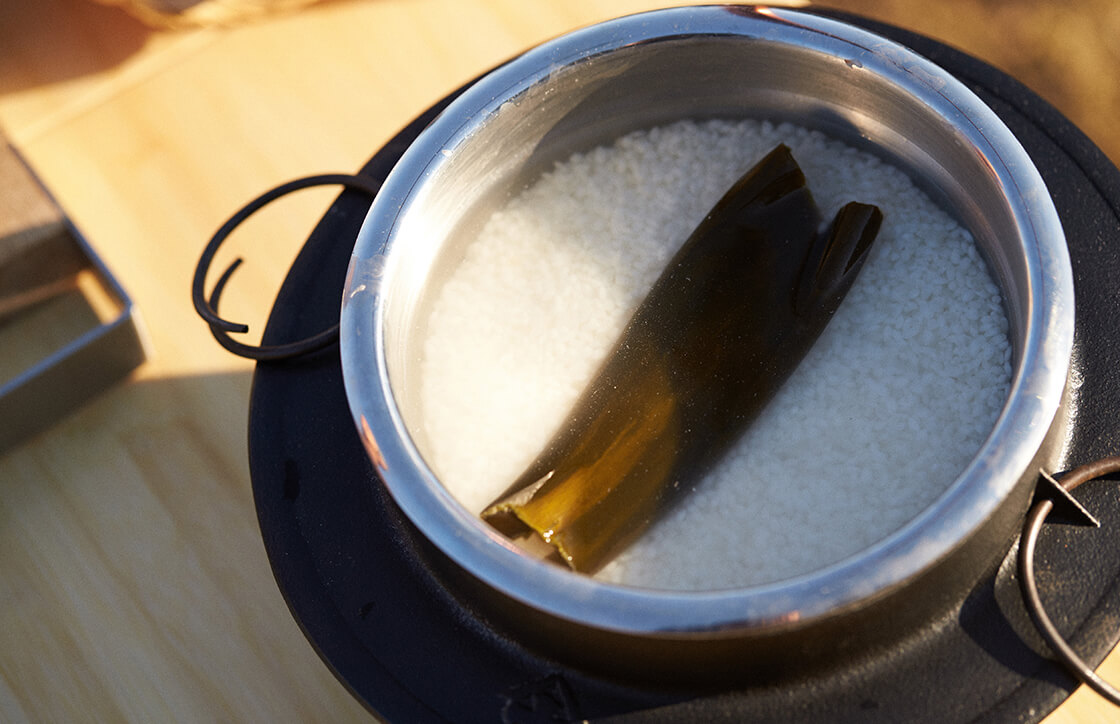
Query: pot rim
pixel 1032 404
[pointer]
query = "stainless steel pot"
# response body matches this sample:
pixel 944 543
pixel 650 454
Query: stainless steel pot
pixel 588 88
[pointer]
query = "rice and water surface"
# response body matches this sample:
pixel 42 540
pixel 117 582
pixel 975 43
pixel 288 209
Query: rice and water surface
pixel 888 407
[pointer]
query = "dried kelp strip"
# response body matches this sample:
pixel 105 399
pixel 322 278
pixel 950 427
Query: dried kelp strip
pixel 730 318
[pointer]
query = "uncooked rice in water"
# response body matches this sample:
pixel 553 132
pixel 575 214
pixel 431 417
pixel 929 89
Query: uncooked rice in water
pixel 886 410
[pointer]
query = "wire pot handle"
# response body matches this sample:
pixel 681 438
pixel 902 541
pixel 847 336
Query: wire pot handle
pixel 207 308
pixel 1032 525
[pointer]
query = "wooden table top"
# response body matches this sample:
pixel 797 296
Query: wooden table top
pixel 133 580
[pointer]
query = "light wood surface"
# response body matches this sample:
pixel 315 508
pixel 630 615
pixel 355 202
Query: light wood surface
pixel 133 581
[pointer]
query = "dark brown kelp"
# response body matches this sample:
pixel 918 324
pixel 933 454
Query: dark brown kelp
pixel 727 322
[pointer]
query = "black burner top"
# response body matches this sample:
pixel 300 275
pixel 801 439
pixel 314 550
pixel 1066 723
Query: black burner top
pixel 364 584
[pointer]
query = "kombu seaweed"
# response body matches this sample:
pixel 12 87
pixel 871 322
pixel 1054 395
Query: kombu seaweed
pixel 726 323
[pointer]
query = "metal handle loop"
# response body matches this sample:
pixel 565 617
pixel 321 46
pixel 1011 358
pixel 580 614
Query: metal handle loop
pixel 208 308
pixel 1036 516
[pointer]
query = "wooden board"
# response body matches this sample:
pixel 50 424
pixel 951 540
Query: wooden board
pixel 133 581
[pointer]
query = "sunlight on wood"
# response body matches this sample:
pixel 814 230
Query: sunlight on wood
pixel 133 566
